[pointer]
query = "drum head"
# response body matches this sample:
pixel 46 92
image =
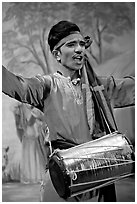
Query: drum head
pixel 59 177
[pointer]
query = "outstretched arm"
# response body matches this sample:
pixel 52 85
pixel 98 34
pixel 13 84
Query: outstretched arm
pixel 27 90
pixel 120 91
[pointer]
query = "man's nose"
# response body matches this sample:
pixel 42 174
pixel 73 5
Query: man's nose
pixel 78 48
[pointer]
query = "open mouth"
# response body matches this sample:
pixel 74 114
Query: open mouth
pixel 78 59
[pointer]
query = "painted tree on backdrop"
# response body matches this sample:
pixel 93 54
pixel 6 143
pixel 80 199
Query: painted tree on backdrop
pixel 24 42
pixel 105 20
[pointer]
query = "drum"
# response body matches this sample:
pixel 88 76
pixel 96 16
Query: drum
pixel 91 165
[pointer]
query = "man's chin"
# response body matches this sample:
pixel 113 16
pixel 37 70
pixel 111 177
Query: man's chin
pixel 79 66
pixel 76 67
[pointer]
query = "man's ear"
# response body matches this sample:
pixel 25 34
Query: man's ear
pixel 56 54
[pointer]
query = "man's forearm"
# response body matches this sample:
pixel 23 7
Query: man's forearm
pixel 125 92
pixel 11 84
pixel 27 90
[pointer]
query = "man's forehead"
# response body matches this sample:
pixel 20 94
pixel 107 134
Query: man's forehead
pixel 74 37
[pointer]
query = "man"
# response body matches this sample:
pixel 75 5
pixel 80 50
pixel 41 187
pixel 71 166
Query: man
pixel 76 102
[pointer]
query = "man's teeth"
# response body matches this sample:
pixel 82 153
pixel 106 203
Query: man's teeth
pixel 78 58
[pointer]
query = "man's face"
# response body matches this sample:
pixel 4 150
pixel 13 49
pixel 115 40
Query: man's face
pixel 72 52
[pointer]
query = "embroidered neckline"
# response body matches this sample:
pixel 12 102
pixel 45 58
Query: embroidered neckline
pixel 74 81
pixel 77 94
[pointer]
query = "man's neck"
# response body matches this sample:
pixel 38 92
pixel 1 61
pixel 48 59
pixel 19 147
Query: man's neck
pixel 73 74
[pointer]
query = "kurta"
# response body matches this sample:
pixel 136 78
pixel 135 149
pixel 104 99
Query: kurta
pixel 65 113
pixel 63 103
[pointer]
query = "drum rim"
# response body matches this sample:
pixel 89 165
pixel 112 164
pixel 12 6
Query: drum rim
pixel 55 158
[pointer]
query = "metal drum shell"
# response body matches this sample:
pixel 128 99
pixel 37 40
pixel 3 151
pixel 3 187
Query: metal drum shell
pixel 81 172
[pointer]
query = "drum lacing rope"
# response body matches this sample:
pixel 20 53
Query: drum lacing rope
pixel 104 179
pixel 119 147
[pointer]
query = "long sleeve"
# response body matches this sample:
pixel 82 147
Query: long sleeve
pixel 121 92
pixel 28 90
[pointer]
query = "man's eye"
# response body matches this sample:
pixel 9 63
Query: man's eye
pixel 70 44
pixel 73 44
pixel 82 44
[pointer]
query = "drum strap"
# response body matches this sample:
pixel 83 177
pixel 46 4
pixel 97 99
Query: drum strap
pixel 62 144
pixel 98 90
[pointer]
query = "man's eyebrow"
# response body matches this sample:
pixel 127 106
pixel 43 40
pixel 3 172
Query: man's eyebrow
pixel 73 41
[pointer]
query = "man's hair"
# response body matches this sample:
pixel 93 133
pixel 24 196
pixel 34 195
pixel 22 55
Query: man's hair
pixel 60 31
